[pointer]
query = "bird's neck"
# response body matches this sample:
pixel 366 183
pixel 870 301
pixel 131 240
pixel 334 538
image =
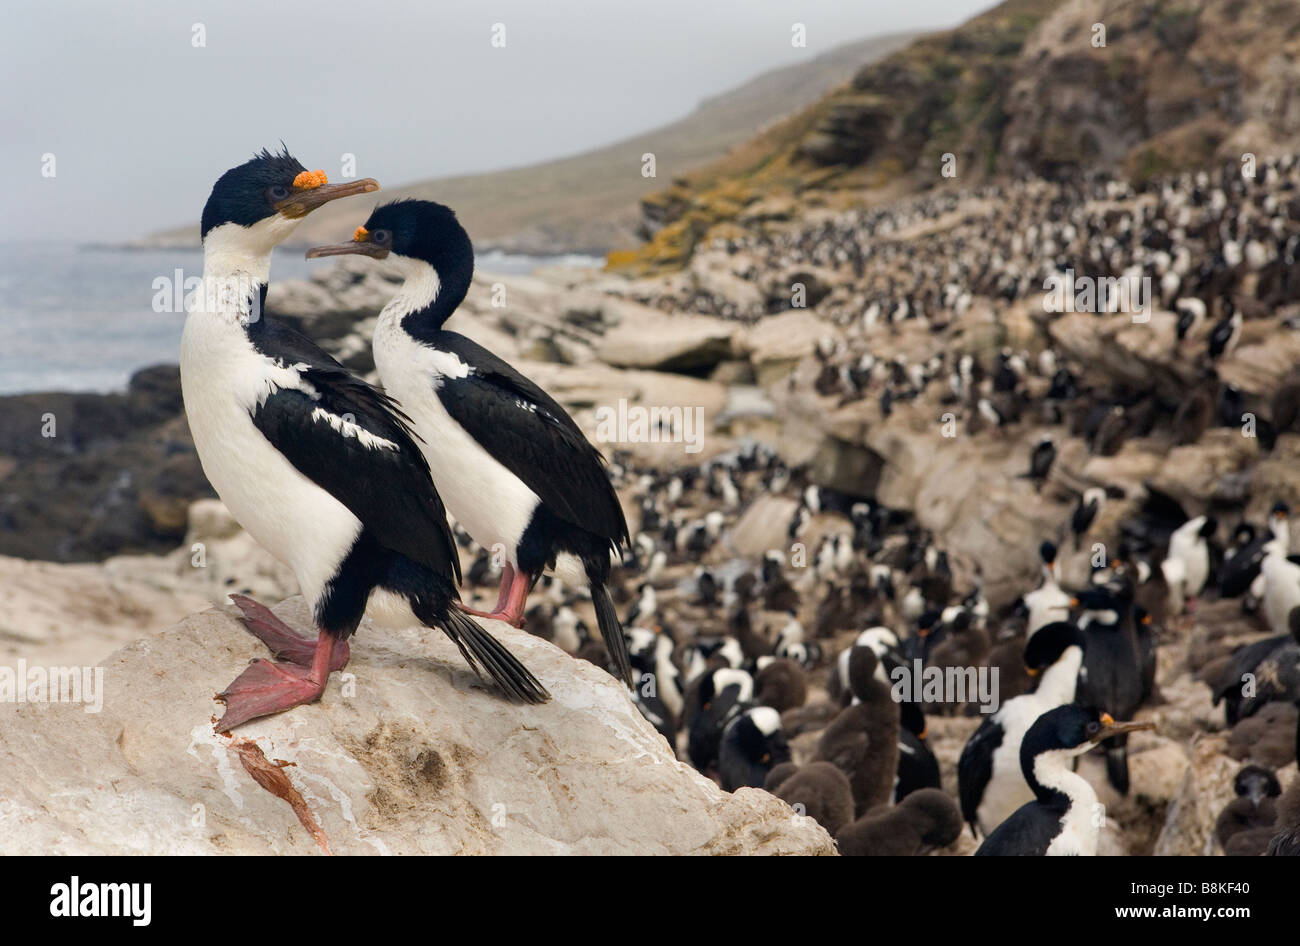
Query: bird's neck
pixel 1059 680
pixel 230 251
pixel 428 297
pixel 235 280
pixel 1282 536
pixel 1056 784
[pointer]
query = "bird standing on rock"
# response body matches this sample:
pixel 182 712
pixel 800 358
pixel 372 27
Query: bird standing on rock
pixel 1187 565
pixel 1224 336
pixel 989 780
pixel 1062 818
pixel 1240 571
pixel 1085 512
pixel 516 471
pixel 318 466
pixel 1041 460
pixel 1048 602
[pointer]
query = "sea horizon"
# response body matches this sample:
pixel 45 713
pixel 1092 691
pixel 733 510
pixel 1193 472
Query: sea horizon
pixel 82 317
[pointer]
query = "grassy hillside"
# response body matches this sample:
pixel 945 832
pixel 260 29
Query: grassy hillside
pixel 1019 90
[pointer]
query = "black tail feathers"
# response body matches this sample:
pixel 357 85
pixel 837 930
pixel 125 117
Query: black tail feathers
pixel 483 652
pixel 612 631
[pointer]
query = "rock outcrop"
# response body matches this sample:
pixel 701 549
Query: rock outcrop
pixel 409 753
pixel 85 476
pixel 648 338
pixel 76 614
pixel 1205 789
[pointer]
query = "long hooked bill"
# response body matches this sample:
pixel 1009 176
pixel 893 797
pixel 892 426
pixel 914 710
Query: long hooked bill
pixel 361 245
pixel 1111 728
pixel 302 201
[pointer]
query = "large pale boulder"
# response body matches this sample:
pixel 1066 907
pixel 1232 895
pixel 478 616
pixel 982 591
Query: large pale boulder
pixel 718 275
pixel 1115 348
pixel 57 615
pixel 764 525
pixel 1260 365
pixel 1206 788
pixel 648 338
pixel 777 342
pixel 618 410
pixel 407 754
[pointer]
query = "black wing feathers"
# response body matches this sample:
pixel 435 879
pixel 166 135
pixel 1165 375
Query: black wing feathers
pixel 1028 832
pixel 533 437
pixel 389 489
pixel 1239 572
pixel 975 768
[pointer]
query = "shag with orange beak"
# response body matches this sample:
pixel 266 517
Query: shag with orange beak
pixel 1064 817
pixel 319 467
pixel 990 785
pixel 514 468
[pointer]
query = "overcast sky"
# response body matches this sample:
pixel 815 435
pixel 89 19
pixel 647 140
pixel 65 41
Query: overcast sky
pixel 141 121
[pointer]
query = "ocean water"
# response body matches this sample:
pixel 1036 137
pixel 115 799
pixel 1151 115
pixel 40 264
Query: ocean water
pixel 76 318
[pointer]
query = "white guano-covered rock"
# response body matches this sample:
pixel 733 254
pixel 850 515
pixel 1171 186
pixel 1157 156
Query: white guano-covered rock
pixel 410 754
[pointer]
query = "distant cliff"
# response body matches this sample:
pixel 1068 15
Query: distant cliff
pixel 1023 89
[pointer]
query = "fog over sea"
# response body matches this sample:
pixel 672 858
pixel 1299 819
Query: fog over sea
pixel 83 318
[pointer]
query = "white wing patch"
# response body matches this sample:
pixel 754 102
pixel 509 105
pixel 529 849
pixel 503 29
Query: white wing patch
pixel 445 364
pixel 348 429
pixel 267 376
pixel 289 377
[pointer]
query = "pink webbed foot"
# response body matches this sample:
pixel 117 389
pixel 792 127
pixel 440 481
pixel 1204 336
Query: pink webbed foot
pixel 265 687
pixel 284 642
